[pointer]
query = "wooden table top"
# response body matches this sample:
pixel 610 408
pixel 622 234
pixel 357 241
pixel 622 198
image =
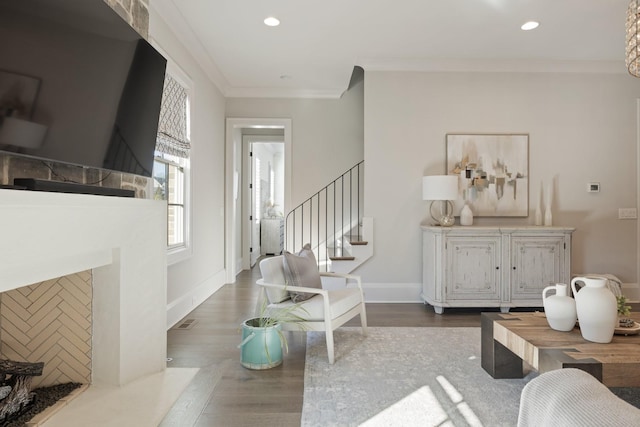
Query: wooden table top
pixel 527 334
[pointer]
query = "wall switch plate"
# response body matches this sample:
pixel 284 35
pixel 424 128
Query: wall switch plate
pixel 627 213
pixel 593 187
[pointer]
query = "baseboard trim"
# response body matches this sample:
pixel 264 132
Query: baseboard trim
pixel 178 309
pixel 392 292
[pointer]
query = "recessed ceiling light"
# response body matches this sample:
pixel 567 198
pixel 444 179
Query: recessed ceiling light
pixel 530 25
pixel 271 21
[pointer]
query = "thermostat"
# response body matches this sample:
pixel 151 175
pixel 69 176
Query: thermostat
pixel 593 187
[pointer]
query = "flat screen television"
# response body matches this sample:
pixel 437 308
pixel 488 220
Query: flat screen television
pixel 78 85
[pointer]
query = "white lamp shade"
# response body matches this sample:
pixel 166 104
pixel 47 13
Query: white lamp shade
pixel 440 187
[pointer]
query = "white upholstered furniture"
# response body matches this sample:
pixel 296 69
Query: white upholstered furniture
pixel 326 311
pixel 572 397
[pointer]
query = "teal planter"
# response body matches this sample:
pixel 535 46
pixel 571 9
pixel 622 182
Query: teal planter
pixel 261 348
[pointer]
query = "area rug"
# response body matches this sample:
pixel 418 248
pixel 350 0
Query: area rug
pixel 405 377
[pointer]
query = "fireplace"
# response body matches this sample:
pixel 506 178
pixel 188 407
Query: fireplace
pixel 118 247
pixel 50 322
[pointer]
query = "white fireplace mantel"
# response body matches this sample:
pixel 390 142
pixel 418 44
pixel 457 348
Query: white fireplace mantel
pixel 47 235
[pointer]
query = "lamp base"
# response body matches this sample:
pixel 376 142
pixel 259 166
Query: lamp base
pixel 447 221
pixel 445 218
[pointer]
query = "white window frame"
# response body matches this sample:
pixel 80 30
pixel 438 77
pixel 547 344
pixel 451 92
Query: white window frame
pixel 182 164
pixel 183 251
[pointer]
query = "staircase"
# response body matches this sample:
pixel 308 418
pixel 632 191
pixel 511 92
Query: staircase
pixel 331 222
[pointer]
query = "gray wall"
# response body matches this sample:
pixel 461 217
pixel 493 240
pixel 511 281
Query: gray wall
pixel 321 128
pixel 582 128
pixel 194 279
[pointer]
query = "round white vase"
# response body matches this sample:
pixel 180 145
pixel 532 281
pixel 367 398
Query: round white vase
pixel 560 308
pixel 597 309
pixel 466 216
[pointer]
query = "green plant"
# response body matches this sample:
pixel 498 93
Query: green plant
pixel 267 317
pixel 623 309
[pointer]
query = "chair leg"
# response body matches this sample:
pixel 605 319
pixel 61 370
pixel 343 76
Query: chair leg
pixel 363 319
pixel 330 352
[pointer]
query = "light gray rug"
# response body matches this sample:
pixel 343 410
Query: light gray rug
pixel 405 377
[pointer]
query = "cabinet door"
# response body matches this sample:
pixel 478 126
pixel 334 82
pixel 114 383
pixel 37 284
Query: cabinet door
pixel 473 268
pixel 536 262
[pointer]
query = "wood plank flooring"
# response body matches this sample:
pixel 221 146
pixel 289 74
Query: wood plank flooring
pixel 224 393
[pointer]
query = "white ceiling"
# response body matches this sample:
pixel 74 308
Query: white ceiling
pixel 320 41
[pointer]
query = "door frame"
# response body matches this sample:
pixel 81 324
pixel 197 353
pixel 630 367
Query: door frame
pixel 234 193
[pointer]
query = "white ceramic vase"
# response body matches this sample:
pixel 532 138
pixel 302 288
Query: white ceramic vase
pixel 466 215
pixel 538 217
pixel 560 308
pixel 597 309
pixel 548 217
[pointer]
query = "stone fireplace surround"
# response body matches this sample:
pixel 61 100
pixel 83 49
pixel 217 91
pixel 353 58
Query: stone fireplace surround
pixel 123 241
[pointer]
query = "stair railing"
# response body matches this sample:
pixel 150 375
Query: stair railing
pixel 325 218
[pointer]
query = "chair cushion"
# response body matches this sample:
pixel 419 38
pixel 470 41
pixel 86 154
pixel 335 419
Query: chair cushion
pixel 341 301
pixel 301 270
pixel 273 272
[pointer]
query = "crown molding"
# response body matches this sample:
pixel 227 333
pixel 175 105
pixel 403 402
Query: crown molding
pixel 488 65
pixel 239 92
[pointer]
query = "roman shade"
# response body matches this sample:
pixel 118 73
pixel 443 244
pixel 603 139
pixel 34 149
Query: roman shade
pixel 172 127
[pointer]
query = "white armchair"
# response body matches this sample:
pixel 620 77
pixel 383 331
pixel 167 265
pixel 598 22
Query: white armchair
pixel 325 311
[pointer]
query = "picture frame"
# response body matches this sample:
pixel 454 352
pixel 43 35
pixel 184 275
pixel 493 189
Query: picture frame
pixel 18 95
pixel 493 171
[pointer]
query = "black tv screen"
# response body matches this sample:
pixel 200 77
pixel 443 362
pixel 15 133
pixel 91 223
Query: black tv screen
pixel 78 85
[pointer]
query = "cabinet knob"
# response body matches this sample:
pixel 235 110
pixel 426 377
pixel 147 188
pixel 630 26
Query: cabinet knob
pixel 514 267
pixel 497 267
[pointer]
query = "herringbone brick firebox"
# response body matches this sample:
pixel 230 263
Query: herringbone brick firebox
pixel 50 322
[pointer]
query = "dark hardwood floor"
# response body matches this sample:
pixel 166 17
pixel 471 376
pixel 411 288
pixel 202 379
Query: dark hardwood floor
pixel 224 393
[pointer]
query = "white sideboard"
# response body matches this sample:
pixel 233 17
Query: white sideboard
pixel 272 236
pixel 493 266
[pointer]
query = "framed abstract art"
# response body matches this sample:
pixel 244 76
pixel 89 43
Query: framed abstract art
pixel 493 171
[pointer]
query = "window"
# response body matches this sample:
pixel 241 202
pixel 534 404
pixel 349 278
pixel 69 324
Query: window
pixel 171 165
pixel 169 176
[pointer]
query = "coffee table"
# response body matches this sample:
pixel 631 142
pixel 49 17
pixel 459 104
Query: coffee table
pixel 508 340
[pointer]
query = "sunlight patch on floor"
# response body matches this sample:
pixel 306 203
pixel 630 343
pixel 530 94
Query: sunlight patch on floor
pixel 422 408
pixel 457 398
pixel 419 408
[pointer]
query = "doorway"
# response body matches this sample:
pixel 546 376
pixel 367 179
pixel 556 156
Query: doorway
pixel 237 242
pixel 263 205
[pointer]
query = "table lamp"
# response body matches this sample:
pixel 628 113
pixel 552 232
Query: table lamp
pixel 442 188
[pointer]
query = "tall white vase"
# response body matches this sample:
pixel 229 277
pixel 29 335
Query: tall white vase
pixel 548 218
pixel 597 309
pixel 560 309
pixel 538 218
